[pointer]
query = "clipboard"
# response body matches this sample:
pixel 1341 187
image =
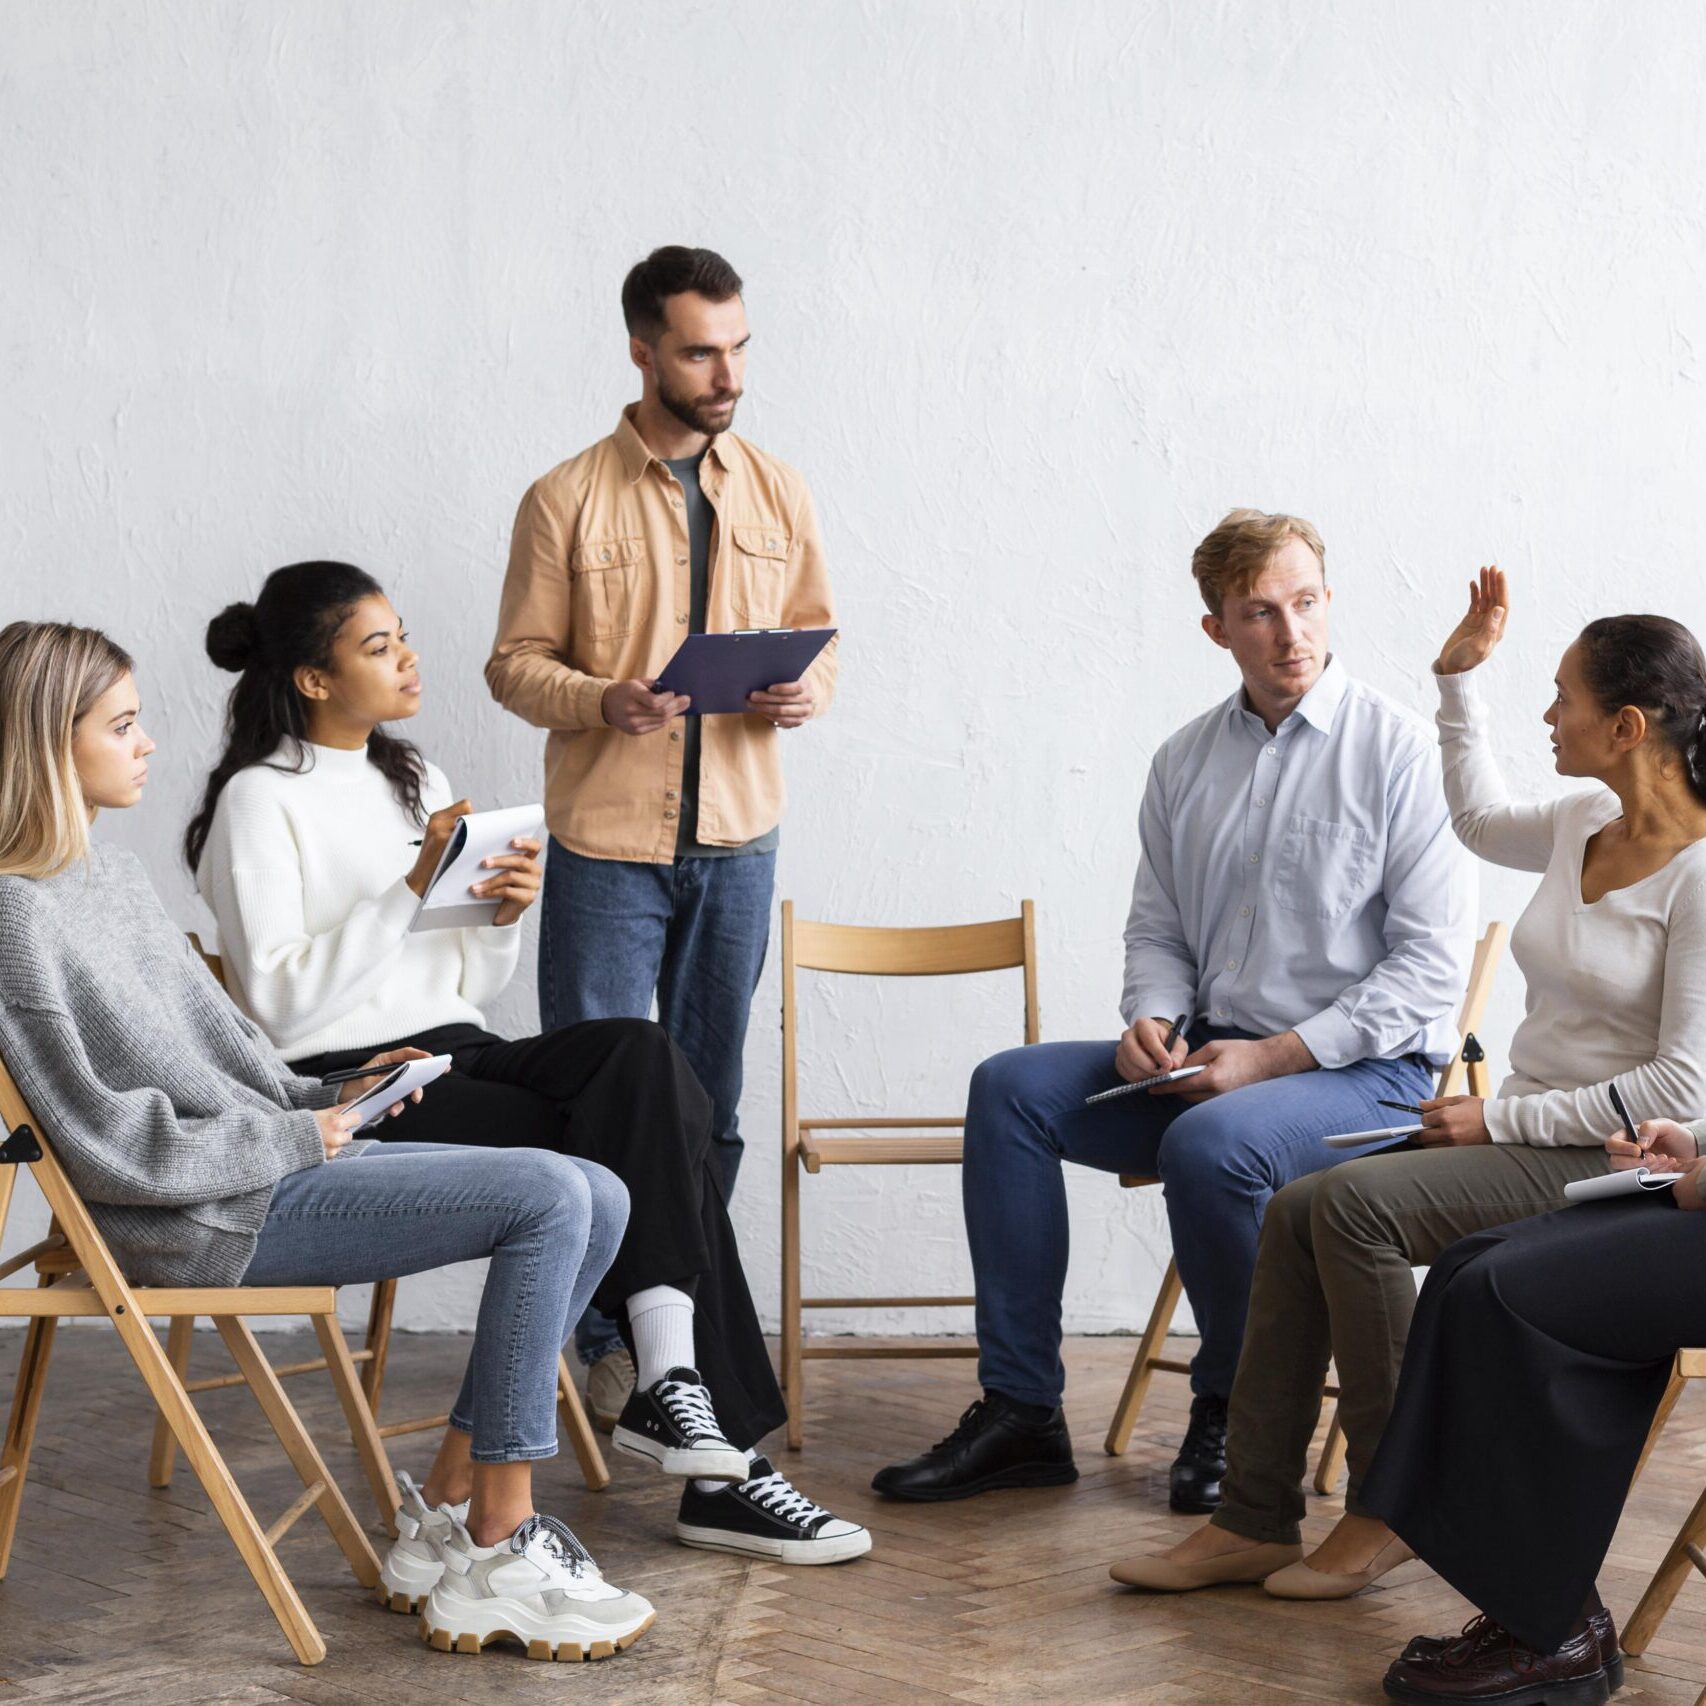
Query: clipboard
pixel 718 671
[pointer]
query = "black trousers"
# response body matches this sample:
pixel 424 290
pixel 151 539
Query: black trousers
pixel 618 1092
pixel 1537 1357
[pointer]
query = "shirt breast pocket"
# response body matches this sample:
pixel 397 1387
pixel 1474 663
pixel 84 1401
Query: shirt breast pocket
pixel 1323 869
pixel 609 588
pixel 758 571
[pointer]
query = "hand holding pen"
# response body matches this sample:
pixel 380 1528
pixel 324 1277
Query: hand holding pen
pixel 1150 1047
pixel 1661 1146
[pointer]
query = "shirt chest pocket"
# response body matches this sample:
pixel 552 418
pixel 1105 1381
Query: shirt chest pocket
pixel 758 574
pixel 609 588
pixel 1322 869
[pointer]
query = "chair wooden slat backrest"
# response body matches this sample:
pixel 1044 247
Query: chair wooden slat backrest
pixel 951 950
pixel 1466 1067
pixel 76 1275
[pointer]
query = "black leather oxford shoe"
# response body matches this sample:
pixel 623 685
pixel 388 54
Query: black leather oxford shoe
pixel 1194 1481
pixel 996 1444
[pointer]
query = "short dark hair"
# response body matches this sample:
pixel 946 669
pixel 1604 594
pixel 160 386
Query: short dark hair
pixel 668 272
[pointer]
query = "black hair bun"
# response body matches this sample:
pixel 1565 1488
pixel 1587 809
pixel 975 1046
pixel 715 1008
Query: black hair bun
pixel 234 637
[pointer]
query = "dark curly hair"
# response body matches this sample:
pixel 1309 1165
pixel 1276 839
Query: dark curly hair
pixel 291 625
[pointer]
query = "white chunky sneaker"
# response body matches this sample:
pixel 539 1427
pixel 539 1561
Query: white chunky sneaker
pixel 674 1425
pixel 767 1516
pixel 416 1559
pixel 540 1587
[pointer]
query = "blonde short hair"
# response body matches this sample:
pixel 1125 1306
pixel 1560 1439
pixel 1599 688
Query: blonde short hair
pixel 1243 543
pixel 50 674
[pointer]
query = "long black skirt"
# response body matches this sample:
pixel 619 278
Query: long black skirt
pixel 1537 1357
pixel 618 1092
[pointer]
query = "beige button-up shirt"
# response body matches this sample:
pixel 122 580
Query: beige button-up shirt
pixel 597 591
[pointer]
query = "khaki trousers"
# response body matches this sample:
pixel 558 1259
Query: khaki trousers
pixel 1333 1282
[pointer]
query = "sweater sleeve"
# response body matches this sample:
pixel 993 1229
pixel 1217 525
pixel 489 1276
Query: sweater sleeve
pixel 1672 1083
pixel 129 1146
pixel 1486 822
pixel 489 957
pixel 292 980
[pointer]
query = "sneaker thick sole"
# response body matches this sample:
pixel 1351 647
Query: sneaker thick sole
pixel 1019 1475
pixel 699 1462
pixel 469 1626
pixel 405 1582
pixel 839 1549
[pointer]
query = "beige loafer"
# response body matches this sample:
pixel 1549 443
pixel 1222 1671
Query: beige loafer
pixel 1167 1575
pixel 1301 1581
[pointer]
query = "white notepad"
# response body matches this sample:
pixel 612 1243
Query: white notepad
pixel 398 1085
pixel 447 904
pixel 1380 1134
pixel 1629 1183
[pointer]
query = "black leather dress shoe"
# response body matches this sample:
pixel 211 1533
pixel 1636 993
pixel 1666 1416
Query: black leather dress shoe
pixel 1488 1663
pixel 1599 1621
pixel 995 1445
pixel 1194 1481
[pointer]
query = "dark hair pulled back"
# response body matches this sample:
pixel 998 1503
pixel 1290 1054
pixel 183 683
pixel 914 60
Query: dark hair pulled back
pixel 290 626
pixel 1655 664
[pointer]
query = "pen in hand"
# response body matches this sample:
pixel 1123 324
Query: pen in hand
pixel 1402 1107
pixel 1173 1034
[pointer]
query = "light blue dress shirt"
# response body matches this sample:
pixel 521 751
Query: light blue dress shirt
pixel 1306 880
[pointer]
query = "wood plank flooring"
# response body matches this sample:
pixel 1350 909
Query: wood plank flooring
pixel 121 1593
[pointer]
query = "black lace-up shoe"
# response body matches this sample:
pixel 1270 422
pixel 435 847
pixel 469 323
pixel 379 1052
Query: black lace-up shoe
pixel 767 1516
pixel 1201 1464
pixel 1488 1663
pixel 1598 1620
pixel 997 1444
pixel 674 1425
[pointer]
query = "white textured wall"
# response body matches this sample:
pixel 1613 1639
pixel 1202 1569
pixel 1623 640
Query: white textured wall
pixel 1038 291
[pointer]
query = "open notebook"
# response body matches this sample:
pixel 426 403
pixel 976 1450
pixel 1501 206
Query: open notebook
pixel 447 904
pixel 1627 1184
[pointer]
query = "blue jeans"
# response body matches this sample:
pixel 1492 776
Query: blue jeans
pixel 613 931
pixel 550 1224
pixel 1219 1161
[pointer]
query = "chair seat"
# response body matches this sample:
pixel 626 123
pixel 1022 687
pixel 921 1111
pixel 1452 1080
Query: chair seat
pixel 906 1150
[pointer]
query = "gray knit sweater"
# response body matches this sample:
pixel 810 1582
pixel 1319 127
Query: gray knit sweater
pixel 170 1111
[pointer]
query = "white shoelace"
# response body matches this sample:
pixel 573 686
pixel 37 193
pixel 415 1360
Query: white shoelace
pixel 558 1539
pixel 776 1492
pixel 690 1409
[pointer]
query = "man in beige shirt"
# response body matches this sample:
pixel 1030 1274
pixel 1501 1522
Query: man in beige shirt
pixel 663 824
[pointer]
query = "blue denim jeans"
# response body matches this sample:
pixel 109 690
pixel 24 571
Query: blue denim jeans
pixel 550 1224
pixel 1219 1161
pixel 612 932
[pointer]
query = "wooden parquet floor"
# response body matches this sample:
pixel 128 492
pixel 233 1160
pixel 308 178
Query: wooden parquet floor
pixel 121 1593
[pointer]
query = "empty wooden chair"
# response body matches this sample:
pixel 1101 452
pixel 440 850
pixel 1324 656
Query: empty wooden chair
pixel 809 1145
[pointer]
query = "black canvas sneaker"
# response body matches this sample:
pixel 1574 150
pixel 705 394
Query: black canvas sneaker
pixel 766 1516
pixel 673 1424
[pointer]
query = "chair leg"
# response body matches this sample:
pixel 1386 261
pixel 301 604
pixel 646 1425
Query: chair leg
pixel 363 1430
pixel 21 1428
pixel 579 1429
pixel 1667 1582
pixel 298 1447
pixel 1661 1415
pixel 1142 1365
pixel 378 1341
pixel 1332 1464
pixel 793 1363
pixel 180 1331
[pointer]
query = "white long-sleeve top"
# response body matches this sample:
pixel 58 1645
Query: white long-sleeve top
pixel 1616 988
pixel 304 871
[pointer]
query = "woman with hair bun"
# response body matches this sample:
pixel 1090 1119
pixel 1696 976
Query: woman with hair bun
pixel 303 848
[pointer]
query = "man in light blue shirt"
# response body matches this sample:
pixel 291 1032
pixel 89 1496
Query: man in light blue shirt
pixel 1302 901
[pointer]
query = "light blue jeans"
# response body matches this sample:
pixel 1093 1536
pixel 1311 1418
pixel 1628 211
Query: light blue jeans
pixel 550 1224
pixel 613 931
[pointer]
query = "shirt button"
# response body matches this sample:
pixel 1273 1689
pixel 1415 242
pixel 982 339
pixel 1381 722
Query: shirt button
pixel 604 555
pixel 1243 912
pixel 770 544
pixel 681 621
pixel 1232 965
pixel 677 503
pixel 1272 750
pixel 669 811
pixel 1260 800
pixel 669 793
pixel 675 734
pixel 1220 1012
pixel 680 561
pixel 1255 858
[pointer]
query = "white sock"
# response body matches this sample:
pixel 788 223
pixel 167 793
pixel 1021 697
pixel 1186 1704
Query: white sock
pixel 662 1321
pixel 721 1486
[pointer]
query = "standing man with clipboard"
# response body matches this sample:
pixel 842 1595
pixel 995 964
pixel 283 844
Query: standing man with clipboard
pixel 663 824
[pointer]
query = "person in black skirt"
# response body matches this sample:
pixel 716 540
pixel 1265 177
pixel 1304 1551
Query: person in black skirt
pixel 1538 1355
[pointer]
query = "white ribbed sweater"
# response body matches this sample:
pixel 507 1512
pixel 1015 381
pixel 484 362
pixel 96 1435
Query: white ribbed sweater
pixel 305 873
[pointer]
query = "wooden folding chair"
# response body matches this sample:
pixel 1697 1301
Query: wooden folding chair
pixel 948 950
pixel 372 1357
pixel 76 1276
pixel 1467 1066
pixel 1684 1552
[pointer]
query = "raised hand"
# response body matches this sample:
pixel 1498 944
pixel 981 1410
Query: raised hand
pixel 1472 641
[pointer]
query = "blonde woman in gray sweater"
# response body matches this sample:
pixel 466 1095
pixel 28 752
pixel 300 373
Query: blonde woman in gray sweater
pixel 206 1161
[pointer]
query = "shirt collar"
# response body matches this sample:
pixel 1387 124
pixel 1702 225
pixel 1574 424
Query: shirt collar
pixel 637 456
pixel 1318 707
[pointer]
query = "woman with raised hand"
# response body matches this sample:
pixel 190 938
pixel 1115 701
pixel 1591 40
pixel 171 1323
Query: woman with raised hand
pixel 1613 950
pixel 204 1158
pixel 305 848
